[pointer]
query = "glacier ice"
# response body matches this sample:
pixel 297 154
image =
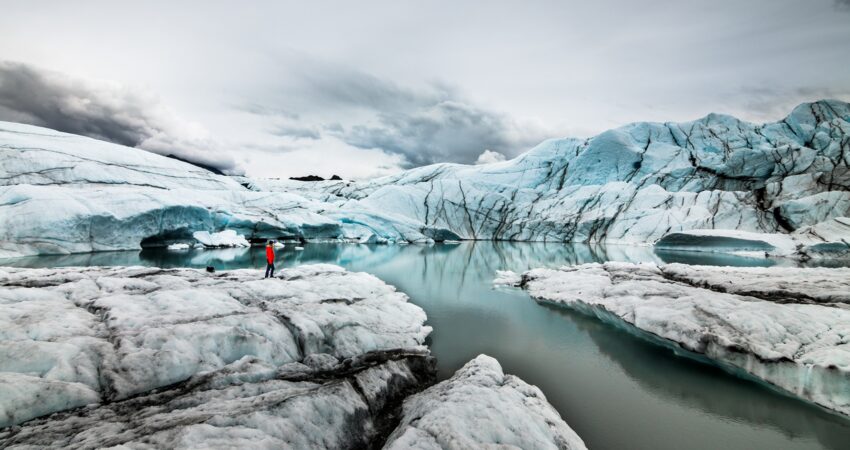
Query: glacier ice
pixel 787 326
pixel 87 335
pixel 61 193
pixel 634 184
pixel 480 407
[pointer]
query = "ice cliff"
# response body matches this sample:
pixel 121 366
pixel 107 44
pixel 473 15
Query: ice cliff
pixel 789 327
pixel 180 358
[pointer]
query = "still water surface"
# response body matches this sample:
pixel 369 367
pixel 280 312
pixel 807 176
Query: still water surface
pixel 616 390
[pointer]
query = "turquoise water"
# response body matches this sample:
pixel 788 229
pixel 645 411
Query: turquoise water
pixel 616 390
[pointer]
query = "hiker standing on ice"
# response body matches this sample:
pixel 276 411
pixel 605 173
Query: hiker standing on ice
pixel 270 259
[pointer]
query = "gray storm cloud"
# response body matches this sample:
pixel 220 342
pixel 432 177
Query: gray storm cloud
pixel 106 111
pixel 425 125
pixel 444 132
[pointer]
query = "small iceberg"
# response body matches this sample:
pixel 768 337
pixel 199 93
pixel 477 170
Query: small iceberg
pixel 226 238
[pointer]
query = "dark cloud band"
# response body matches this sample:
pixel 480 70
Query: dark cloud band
pixel 102 111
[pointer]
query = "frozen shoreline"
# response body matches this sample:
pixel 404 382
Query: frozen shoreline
pixel 319 357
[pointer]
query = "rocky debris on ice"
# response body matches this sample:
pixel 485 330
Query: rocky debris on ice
pixel 62 193
pixel 633 184
pixel 788 327
pixel 77 336
pixel 481 407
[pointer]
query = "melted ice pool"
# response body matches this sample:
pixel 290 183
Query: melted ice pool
pixel 616 390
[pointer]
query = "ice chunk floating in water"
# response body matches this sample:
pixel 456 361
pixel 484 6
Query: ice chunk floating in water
pixel 226 238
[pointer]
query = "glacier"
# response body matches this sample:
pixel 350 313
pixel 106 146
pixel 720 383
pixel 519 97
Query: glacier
pixel 789 327
pixel 638 184
pixel 635 184
pixel 320 357
pixel 61 194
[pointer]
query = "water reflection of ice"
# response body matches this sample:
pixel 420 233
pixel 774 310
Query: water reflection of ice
pixel 208 256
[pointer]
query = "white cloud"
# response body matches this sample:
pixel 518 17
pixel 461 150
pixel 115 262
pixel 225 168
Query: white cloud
pixel 489 157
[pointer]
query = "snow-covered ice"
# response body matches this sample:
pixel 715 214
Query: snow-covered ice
pixel 74 336
pixel 788 327
pixel 481 407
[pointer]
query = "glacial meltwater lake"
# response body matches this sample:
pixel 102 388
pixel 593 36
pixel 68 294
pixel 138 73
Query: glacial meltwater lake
pixel 616 390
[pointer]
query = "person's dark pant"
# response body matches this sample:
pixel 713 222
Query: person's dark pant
pixel 270 270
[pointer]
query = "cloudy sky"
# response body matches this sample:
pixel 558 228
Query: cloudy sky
pixel 367 88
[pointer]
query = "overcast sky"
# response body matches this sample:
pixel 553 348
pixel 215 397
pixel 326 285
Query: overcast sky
pixel 367 88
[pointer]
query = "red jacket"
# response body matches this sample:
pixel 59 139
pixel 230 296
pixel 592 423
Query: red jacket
pixel 270 254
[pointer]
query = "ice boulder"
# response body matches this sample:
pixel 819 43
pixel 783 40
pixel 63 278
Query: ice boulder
pixel 481 407
pixel 226 238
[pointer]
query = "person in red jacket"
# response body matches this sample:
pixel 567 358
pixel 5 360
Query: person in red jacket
pixel 270 259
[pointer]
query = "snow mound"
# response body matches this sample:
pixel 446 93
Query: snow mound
pixel 788 327
pixel 75 336
pixel 481 407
